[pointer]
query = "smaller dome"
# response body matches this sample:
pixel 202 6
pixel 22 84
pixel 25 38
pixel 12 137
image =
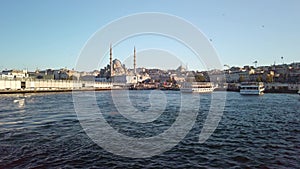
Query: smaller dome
pixel 181 69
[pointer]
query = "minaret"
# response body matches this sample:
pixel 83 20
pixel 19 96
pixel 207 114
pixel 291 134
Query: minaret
pixel 134 61
pixel 110 61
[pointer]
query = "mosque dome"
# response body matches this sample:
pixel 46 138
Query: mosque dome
pixel 117 63
pixel 119 69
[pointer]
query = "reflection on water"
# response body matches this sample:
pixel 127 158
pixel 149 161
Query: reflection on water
pixel 42 130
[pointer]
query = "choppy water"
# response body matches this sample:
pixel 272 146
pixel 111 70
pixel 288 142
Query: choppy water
pixel 42 130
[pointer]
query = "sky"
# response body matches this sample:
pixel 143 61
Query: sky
pixel 52 33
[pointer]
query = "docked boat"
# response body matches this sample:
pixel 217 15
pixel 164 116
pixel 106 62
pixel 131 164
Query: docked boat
pixel 197 87
pixel 252 88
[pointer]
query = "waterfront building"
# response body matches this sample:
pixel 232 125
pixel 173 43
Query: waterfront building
pixel 282 87
pixel 14 74
pixel 131 79
pixel 216 76
pixel 42 74
pixel 61 74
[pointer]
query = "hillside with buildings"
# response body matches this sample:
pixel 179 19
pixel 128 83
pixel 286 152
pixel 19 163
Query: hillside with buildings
pixel 276 77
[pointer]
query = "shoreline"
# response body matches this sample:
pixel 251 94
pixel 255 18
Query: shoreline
pixel 48 91
pixel 103 89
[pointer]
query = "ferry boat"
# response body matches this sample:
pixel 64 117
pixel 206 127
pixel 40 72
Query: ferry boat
pixel 197 87
pixel 252 88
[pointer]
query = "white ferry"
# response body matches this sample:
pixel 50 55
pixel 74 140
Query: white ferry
pixel 197 87
pixel 252 88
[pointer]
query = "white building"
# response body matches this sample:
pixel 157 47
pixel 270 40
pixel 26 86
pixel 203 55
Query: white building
pixel 14 74
pixel 130 79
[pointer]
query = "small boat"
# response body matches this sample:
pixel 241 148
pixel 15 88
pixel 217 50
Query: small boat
pixel 252 88
pixel 21 102
pixel 299 91
pixel 197 87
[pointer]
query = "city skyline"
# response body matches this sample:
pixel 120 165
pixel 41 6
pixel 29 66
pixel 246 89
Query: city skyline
pixel 34 36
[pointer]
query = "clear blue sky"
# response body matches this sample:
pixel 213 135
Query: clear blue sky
pixel 50 33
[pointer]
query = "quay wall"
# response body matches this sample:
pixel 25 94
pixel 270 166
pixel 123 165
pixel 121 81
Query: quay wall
pixel 6 84
pixel 10 84
pixel 281 88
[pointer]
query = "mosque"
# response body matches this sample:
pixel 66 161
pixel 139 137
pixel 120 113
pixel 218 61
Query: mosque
pixel 117 72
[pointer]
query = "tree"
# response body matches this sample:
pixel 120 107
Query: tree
pixel 200 78
pixel 259 78
pixel 242 78
pixel 269 78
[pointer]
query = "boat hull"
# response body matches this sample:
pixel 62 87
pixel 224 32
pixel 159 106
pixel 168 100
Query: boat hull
pixel 197 90
pixel 197 87
pixel 251 92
